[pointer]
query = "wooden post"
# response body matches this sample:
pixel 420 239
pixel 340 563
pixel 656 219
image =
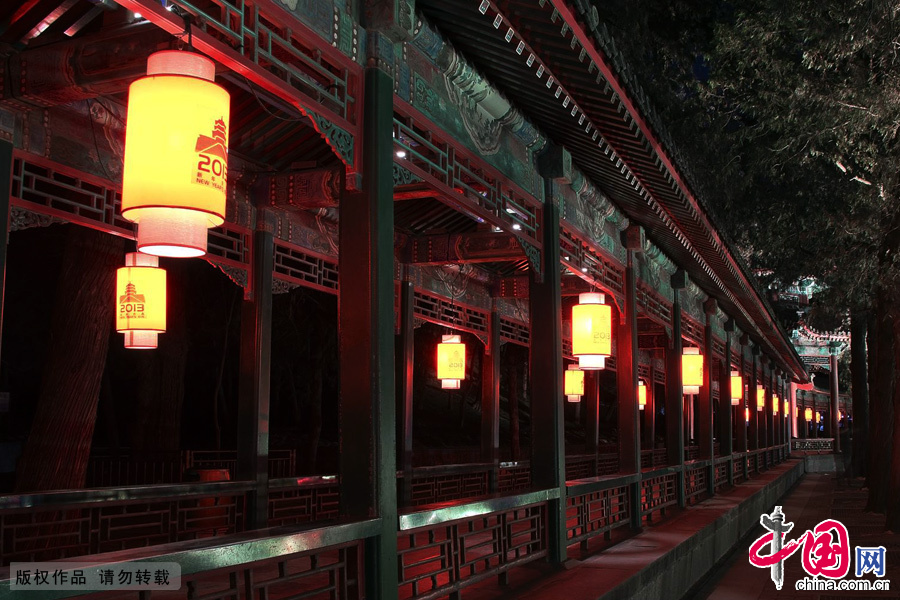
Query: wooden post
pixel 405 370
pixel 6 159
pixel 490 402
pixel 726 412
pixel 627 374
pixel 592 416
pixel 368 450
pixel 835 411
pixel 255 374
pixel 753 432
pixel 545 310
pixel 674 396
pixel 704 398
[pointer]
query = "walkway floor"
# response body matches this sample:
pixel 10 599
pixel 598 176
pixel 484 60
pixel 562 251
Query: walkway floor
pixel 607 565
pixel 818 496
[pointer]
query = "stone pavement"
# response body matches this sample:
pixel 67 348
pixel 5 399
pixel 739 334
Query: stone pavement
pixel 818 496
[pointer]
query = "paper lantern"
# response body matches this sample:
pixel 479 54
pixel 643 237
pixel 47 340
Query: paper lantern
pixel 807 414
pixel 691 370
pixel 451 361
pixel 140 301
pixel 176 154
pixel 591 331
pixel 737 388
pixel 760 398
pixel 642 395
pixel 775 403
pixel 574 384
pixel 787 408
pixel 747 415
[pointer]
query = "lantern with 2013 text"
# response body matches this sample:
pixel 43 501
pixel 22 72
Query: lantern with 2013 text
pixel 737 388
pixel 140 300
pixel 691 371
pixel 574 384
pixel 176 154
pixel 451 361
pixel 591 331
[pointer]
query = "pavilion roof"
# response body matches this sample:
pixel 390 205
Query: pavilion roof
pixel 629 159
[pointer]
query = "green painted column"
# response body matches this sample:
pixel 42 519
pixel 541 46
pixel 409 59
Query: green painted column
pixel 546 366
pixel 6 159
pixel 255 374
pixel 368 450
pixel 674 396
pixel 627 375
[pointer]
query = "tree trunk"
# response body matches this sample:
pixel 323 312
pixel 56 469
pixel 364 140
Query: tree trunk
pixel 893 495
pixel 881 411
pixel 59 442
pixel 859 377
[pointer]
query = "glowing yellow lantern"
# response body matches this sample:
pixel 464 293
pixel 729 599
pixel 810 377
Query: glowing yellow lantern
pixel 760 398
pixel 747 415
pixel 574 384
pixel 775 403
pixel 140 301
pixel 451 361
pixel 787 408
pixel 807 414
pixel 642 395
pixel 591 331
pixel 691 370
pixel 176 154
pixel 737 388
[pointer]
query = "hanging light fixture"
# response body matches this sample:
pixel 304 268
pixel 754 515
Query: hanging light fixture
pixel 591 331
pixel 691 371
pixel 747 415
pixel 760 398
pixel 642 395
pixel 775 403
pixel 787 408
pixel 737 388
pixel 140 301
pixel 176 154
pixel 807 414
pixel 574 384
pixel 451 361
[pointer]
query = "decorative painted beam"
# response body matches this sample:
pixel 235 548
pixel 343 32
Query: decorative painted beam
pixel 479 247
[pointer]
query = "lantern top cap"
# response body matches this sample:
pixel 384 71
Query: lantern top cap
pixel 573 367
pixel 591 298
pixel 641 382
pixel 181 62
pixel 139 259
pixel 691 350
pixel 451 339
pixel 735 373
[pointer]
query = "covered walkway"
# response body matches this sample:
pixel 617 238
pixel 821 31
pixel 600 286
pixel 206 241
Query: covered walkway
pixel 818 496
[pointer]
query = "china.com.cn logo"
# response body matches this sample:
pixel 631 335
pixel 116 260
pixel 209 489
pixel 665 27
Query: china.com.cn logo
pixel 825 553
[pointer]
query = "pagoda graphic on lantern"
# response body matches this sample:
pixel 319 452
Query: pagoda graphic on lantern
pixel 212 166
pixel 132 302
